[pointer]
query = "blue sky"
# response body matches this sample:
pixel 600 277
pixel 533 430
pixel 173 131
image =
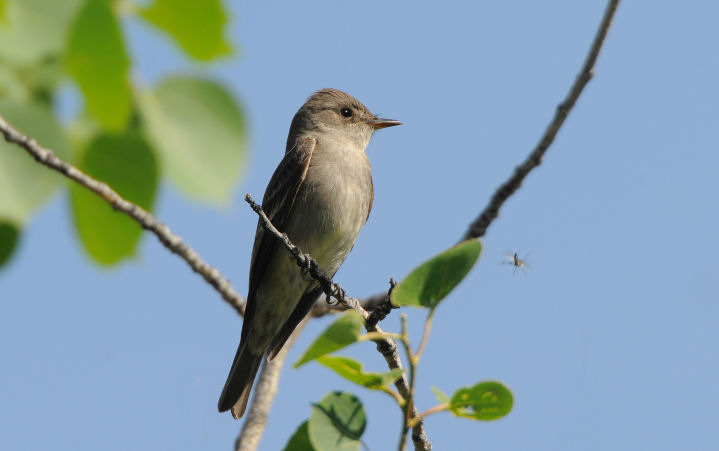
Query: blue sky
pixel 608 342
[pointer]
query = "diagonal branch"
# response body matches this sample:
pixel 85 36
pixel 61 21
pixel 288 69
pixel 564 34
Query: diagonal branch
pixel 386 346
pixel 146 220
pixel 479 227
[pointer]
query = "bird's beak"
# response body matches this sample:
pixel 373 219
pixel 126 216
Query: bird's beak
pixel 378 123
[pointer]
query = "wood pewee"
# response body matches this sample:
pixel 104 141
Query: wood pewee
pixel 320 196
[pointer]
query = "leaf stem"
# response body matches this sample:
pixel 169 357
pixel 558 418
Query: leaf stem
pixel 425 336
pixel 430 411
pixel 378 336
pixel 397 397
pixel 407 408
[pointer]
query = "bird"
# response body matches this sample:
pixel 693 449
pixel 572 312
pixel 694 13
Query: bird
pixel 320 196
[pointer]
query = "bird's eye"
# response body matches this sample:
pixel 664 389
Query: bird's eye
pixel 346 112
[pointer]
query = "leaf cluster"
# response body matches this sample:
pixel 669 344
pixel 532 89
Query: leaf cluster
pixel 187 129
pixel 338 420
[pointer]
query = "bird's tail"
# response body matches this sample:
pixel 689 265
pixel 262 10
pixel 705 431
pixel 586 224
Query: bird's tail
pixel 239 382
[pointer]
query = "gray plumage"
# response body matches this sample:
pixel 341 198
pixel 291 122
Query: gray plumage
pixel 320 196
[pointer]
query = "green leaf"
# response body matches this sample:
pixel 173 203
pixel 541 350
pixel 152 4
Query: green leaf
pixel 25 184
pixel 198 129
pixel 97 60
pixel 431 281
pixel 127 164
pixel 351 370
pixel 300 440
pixel 342 332
pixel 485 401
pixel 9 237
pixel 337 422
pixel 198 27
pixel 33 29
pixel 441 396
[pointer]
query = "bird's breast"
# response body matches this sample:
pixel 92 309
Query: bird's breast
pixel 335 199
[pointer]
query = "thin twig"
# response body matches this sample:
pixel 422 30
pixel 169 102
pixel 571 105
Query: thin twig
pixel 398 399
pixel 388 349
pixel 425 337
pixel 374 301
pixel 265 392
pixel 382 310
pixel 374 336
pixel 436 409
pixel 479 227
pixel 386 346
pixel 146 220
pixel 408 409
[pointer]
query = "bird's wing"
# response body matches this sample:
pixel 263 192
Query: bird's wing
pixel 371 199
pixel 298 314
pixel 277 204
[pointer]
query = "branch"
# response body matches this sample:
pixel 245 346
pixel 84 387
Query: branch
pixel 409 409
pixel 388 349
pixel 146 220
pixel 265 392
pixel 410 421
pixel 383 309
pixel 479 227
pixel 386 346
